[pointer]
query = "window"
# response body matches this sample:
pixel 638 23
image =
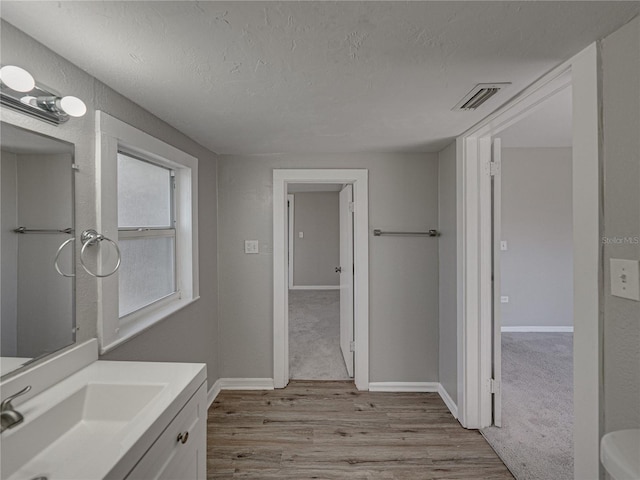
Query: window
pixel 146 233
pixel 147 202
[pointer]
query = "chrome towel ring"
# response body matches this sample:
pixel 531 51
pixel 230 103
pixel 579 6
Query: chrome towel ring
pixel 55 260
pixel 91 237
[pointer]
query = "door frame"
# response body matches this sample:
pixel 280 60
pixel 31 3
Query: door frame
pixel 474 252
pixel 359 179
pixel 496 285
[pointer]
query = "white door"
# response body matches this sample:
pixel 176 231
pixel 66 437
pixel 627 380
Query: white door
pixel 496 188
pixel 346 276
pixel 290 225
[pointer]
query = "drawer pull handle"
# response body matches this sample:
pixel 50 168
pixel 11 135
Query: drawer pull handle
pixel 183 437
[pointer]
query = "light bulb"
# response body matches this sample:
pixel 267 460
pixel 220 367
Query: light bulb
pixel 73 106
pixel 17 78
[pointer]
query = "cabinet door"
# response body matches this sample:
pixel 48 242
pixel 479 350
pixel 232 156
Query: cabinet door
pixel 174 455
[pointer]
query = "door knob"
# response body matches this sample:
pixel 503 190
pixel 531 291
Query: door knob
pixel 338 269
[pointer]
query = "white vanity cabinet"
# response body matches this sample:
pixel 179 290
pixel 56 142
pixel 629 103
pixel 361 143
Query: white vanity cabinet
pixel 90 419
pixel 180 452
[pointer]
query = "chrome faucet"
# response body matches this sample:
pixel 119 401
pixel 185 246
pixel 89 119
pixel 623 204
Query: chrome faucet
pixel 9 417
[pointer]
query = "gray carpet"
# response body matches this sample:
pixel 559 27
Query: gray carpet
pixel 314 336
pixel 536 438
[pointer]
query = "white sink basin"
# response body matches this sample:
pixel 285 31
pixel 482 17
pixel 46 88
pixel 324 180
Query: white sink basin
pixel 113 403
pixel 620 454
pixel 91 424
pixel 94 414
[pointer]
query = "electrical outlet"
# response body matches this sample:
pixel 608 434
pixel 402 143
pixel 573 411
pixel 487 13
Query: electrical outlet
pixel 300 234
pixel 504 299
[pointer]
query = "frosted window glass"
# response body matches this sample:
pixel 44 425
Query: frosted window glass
pixel 146 273
pixel 144 194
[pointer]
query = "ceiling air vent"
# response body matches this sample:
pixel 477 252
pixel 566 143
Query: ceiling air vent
pixel 479 94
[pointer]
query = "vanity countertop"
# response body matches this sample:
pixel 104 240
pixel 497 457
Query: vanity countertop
pixel 99 421
pixel 9 364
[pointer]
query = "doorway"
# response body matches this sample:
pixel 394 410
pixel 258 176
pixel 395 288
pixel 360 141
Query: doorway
pixel 532 293
pixel 357 179
pixel 475 251
pixel 320 247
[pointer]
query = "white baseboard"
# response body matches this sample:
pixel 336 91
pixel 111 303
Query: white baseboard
pixel 537 329
pixel 213 393
pixel 315 287
pixel 448 401
pixel 403 386
pixel 246 383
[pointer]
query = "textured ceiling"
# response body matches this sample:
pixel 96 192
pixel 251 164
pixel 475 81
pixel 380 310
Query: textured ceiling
pixel 301 77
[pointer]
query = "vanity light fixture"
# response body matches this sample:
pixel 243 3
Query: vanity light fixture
pixel 19 91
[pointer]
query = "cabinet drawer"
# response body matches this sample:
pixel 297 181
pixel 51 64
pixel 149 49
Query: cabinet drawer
pixel 180 451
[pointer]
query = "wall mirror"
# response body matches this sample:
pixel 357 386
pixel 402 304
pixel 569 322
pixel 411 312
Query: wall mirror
pixel 37 286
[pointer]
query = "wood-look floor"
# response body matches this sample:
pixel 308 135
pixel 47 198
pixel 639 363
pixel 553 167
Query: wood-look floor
pixel 329 430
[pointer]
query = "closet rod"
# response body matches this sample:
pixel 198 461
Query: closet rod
pixel 42 230
pixel 431 233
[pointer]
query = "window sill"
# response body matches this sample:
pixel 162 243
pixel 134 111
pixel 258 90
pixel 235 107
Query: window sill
pixel 155 316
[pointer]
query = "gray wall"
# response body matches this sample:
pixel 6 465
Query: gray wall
pixel 403 194
pixel 621 123
pixel 447 244
pixel 316 255
pixel 189 335
pixel 537 216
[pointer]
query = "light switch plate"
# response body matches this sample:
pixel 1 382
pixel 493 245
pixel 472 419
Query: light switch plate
pixel 504 299
pixel 625 278
pixel 251 246
pixel 503 245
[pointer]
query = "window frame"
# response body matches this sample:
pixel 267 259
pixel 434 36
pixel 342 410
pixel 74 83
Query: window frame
pixel 112 137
